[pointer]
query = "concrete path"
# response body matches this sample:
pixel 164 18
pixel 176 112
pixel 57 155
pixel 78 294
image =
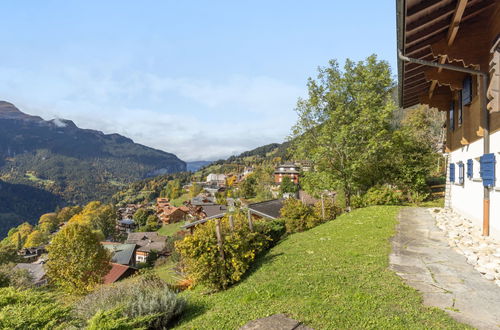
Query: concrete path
pixel 422 257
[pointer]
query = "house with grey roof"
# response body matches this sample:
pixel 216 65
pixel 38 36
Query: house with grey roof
pixel 146 242
pixel 123 254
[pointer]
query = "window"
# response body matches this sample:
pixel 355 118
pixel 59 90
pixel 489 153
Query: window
pixel 460 109
pixel 466 93
pixel 470 169
pixel 452 116
pixel 452 172
pixel 460 173
pixel 487 171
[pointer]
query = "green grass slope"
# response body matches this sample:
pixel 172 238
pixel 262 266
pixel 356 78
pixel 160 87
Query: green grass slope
pixel 333 276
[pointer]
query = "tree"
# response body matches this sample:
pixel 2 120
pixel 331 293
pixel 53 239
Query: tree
pixel 248 187
pixel 288 186
pixel 141 216
pixel 343 126
pixel 36 238
pixel 48 222
pixel 77 260
pixel 99 217
pixel 195 189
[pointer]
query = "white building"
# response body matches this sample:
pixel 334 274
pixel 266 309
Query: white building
pixel 216 179
pixel 449 58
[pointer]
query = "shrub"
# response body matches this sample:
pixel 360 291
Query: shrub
pixel 274 229
pixel 203 261
pixel 383 195
pixel 17 278
pixel 145 298
pixel 298 216
pixel 331 210
pixel 115 320
pixel 358 201
pixel 417 197
pixel 31 309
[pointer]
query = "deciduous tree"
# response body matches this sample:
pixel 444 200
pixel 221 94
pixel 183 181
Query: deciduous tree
pixel 77 260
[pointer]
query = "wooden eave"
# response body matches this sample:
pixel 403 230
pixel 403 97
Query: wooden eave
pixel 444 31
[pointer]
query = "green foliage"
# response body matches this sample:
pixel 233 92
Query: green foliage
pixel 343 126
pixel 17 278
pixel 298 216
pixel 31 309
pixel 152 224
pixel 144 300
pixel 327 210
pixel 36 238
pixel 383 195
pixel 288 186
pixel 194 190
pixel 274 229
pixel 8 253
pixel 173 189
pixel 100 217
pixel 116 320
pixel 248 187
pixel 334 276
pixel 141 216
pixel 202 256
pixel 77 260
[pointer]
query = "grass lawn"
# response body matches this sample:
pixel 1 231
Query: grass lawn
pixel 179 200
pixel 167 273
pixel 170 229
pixel 333 276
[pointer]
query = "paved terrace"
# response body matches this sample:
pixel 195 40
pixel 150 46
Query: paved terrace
pixel 422 257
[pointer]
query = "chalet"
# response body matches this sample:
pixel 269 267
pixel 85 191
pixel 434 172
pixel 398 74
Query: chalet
pixel 118 272
pixel 288 169
pixel 123 254
pixel 31 254
pixel 172 214
pixel 146 242
pixel 126 226
pixel 449 59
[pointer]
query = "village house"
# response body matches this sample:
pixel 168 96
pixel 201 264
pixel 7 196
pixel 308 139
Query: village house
pixel 31 254
pixel 147 242
pixel 125 226
pixel 123 254
pixel 286 170
pixel 449 59
pixel 168 213
pixel 216 179
pixel 118 272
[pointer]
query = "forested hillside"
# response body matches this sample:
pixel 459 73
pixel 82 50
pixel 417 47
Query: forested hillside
pixel 71 164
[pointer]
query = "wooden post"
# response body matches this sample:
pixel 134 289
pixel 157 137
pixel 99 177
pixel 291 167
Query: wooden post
pixel 231 222
pixel 322 207
pixel 250 223
pixel 219 238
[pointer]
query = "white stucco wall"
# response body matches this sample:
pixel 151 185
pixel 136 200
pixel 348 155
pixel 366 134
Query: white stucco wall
pixel 467 199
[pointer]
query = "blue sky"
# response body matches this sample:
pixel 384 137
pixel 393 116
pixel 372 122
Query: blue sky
pixel 202 79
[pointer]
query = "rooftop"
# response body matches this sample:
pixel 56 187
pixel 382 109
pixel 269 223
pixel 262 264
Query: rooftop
pixel 269 209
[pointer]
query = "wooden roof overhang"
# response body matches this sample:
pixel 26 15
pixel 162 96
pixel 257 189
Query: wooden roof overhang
pixel 446 32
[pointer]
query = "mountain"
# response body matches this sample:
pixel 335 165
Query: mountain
pixel 195 166
pixel 76 165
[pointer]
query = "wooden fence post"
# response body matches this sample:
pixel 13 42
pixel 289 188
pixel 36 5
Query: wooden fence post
pixel 323 206
pixel 250 222
pixel 219 239
pixel 231 222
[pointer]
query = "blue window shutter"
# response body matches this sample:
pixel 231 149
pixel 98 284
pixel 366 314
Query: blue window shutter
pixel 467 90
pixel 452 116
pixel 460 109
pixel 461 173
pixel 470 168
pixel 487 169
pixel 452 172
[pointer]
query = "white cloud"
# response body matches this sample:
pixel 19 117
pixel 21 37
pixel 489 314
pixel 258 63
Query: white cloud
pixel 193 118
